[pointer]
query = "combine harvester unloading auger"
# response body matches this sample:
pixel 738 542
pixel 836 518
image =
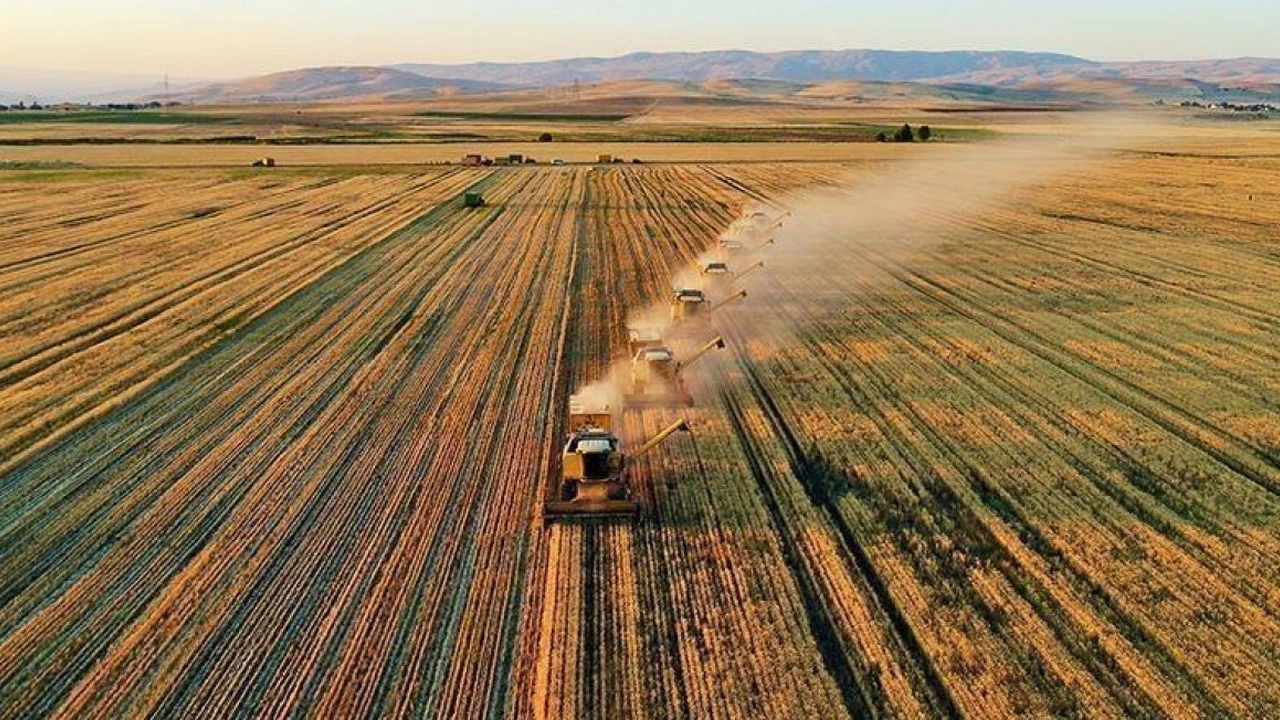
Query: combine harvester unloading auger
pixel 754 268
pixel 594 481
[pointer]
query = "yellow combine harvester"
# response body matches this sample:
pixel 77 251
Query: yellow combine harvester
pixel 719 278
pixel 657 378
pixel 714 270
pixel 751 234
pixel 716 275
pixel 692 307
pixel 730 244
pixel 593 468
pixel 761 225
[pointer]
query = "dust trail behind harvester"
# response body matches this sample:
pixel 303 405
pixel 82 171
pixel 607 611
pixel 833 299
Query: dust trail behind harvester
pixel 898 215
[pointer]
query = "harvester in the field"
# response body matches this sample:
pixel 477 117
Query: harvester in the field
pixel 593 481
pixel 730 244
pixel 715 269
pixel 658 379
pixel 716 275
pixel 761 225
pixel 690 307
pixel 719 278
pixel 751 234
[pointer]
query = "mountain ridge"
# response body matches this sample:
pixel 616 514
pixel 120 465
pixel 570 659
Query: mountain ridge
pixel 791 65
pixel 1246 78
pixel 329 83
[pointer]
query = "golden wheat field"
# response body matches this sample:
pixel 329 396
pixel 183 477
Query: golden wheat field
pixel 274 444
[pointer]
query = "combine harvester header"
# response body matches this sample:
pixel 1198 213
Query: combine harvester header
pixel 754 268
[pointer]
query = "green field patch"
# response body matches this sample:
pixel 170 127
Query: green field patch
pixel 58 171
pixel 39 165
pixel 108 117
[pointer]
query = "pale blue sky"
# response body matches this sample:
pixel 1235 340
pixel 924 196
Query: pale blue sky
pixel 220 38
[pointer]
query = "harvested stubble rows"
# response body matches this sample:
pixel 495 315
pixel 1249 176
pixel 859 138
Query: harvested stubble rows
pixel 1029 470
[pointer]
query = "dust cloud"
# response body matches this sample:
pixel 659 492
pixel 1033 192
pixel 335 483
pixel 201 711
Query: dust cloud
pixel 898 214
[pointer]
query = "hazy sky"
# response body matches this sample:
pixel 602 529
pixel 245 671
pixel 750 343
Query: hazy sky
pixel 221 38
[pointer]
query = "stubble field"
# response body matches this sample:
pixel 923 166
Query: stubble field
pixel 275 445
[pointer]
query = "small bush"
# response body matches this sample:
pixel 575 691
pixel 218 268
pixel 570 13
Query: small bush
pixel 545 137
pixel 904 134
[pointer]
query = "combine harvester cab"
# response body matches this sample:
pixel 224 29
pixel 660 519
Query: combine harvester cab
pixel 593 482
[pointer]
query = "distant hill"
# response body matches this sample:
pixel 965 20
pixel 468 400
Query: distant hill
pixel 1240 71
pixel 961 75
pixel 331 83
pixel 1247 71
pixel 803 66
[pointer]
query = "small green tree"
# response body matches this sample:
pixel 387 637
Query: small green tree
pixel 881 137
pixel 544 137
pixel 925 133
pixel 904 134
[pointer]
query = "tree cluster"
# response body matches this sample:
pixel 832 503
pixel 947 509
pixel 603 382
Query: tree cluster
pixel 35 105
pixel 906 134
